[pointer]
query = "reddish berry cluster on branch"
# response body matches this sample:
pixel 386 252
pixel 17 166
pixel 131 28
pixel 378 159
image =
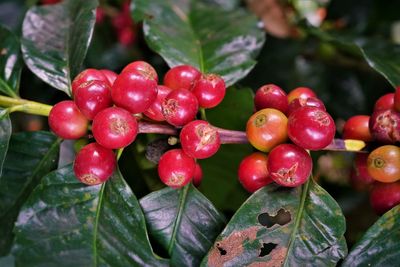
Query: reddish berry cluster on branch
pixel 114 104
pixel 299 117
pixel 378 171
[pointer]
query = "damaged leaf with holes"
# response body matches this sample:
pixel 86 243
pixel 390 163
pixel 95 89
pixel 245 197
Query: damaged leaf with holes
pixel 279 226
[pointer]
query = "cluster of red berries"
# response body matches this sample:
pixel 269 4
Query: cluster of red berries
pixel 299 117
pixel 122 23
pixel 114 103
pixel 379 170
pixel 187 90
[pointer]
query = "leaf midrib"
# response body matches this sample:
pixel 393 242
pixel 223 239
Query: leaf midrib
pixel 195 37
pixel 182 201
pixel 96 224
pixel 299 215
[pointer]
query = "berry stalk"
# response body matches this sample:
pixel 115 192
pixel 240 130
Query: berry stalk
pixel 26 106
pixel 227 136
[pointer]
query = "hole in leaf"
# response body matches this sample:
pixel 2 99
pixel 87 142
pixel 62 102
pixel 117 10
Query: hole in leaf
pixel 221 250
pixel 282 217
pixel 266 249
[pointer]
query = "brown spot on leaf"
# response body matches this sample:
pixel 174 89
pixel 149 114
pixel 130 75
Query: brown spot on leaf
pixel 3 51
pixel 231 246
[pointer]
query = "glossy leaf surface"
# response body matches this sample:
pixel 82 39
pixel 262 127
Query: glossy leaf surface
pixel 55 39
pixel 278 226
pixel 201 34
pixel 5 134
pixel 10 63
pixel 66 223
pixel 379 54
pixel 380 244
pixel 31 155
pixel 184 222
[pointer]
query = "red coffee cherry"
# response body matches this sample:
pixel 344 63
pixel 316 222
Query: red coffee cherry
pixel 360 178
pixel 271 96
pixel 311 128
pixel 385 102
pixel 175 168
pixel 305 102
pixel 199 139
pixel 266 129
pixel 209 90
pixel 114 128
pixel 384 126
pixel 66 121
pixel 180 107
pixel 143 69
pixel 92 97
pixel 94 164
pixel 289 165
pixel 110 75
pixel 383 164
pixel 133 92
pixel 126 36
pixel 357 127
pixel 253 173
pixel 154 112
pixel 181 77
pixel 86 76
pixel 384 197
pixel 300 92
pixel 198 175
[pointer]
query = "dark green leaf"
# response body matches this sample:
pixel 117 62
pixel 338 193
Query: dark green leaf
pixel 5 134
pixel 56 38
pixel 66 223
pixel 10 63
pixel 30 156
pixel 7 261
pixel 277 226
pixel 220 181
pixel 203 35
pixel 234 111
pixel 184 222
pixel 380 244
pixel 380 55
pixel 384 58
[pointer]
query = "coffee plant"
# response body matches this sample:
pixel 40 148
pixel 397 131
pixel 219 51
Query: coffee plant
pixel 199 133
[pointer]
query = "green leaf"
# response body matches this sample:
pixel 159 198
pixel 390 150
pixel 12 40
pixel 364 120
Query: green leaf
pixel 66 223
pixel 234 110
pixel 380 55
pixel 384 58
pixel 202 35
pixel 184 222
pixel 30 156
pixel 55 39
pixel 10 63
pixel 380 244
pixel 277 226
pixel 5 134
